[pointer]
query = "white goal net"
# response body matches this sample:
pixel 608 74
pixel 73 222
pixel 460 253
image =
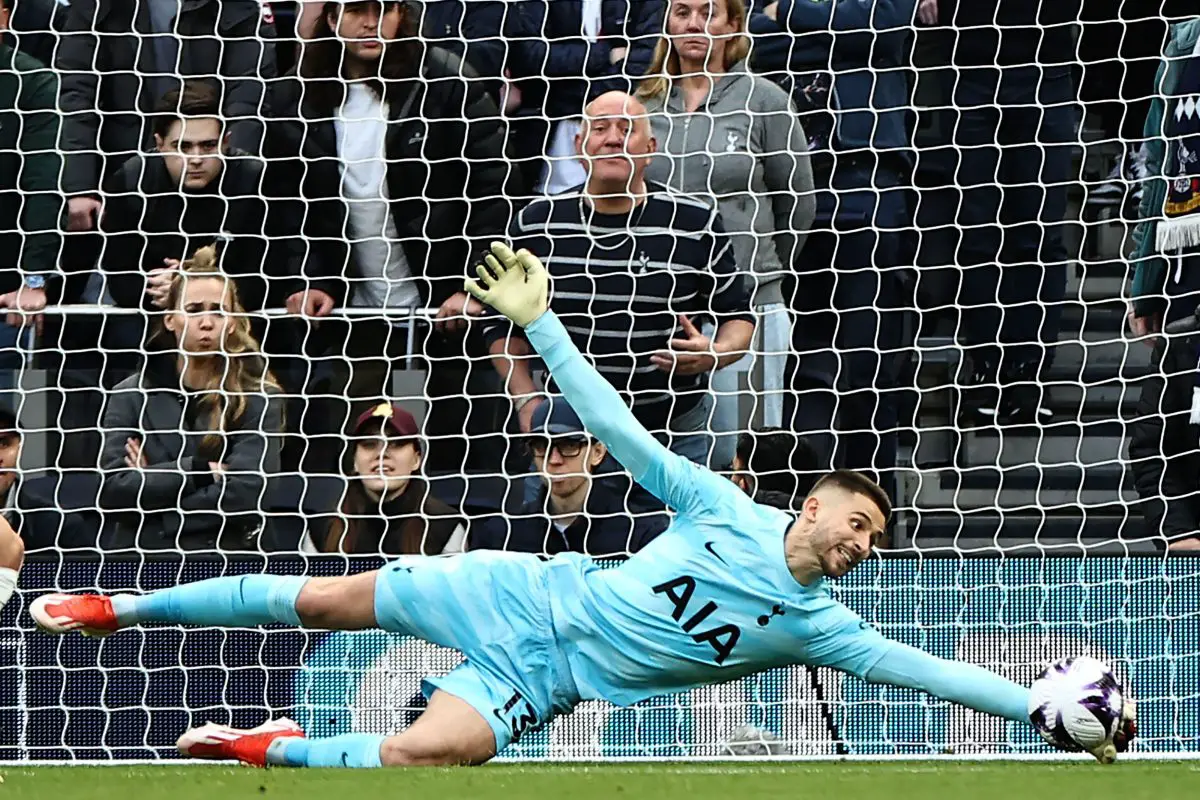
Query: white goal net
pixel 948 244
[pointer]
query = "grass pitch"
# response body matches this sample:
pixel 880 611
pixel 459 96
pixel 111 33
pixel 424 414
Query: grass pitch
pixel 706 781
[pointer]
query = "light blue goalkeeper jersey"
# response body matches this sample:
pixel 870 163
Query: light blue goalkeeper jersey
pixel 709 600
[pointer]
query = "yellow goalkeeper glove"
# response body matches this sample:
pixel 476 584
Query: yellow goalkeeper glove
pixel 515 284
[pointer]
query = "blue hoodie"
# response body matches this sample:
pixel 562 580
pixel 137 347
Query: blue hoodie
pixel 863 45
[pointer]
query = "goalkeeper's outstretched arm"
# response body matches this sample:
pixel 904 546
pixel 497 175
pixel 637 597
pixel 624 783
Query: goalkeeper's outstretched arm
pixel 516 285
pixel 956 681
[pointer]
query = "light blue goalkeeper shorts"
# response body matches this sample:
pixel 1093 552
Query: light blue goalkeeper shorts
pixel 494 607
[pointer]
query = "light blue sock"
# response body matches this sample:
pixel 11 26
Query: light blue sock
pixel 354 750
pixel 242 601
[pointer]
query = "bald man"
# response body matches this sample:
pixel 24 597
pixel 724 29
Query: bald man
pixel 638 270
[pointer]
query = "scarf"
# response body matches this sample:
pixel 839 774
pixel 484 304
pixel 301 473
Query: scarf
pixel 1181 227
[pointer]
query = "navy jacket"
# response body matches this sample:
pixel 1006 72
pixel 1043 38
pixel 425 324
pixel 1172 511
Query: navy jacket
pixel 863 45
pixel 615 523
pixel 1012 32
pixel 561 70
pixel 474 30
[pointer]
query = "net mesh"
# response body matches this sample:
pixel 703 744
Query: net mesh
pixel 932 217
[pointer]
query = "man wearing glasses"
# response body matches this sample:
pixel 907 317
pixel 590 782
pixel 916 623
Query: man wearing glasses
pixel 575 501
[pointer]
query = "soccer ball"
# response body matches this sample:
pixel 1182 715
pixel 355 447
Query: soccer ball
pixel 1076 704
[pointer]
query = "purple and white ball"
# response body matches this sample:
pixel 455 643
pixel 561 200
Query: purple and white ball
pixel 1075 704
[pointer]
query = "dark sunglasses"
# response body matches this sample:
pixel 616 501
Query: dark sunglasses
pixel 567 447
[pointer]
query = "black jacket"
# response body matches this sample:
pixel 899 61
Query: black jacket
pixel 175 502
pixel 446 177
pixel 612 524
pixel 1028 33
pixel 474 30
pixel 105 103
pixel 148 219
pixel 30 203
pixel 561 70
pixel 1164 447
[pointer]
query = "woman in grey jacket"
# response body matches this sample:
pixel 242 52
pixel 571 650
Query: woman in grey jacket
pixel 189 443
pixel 725 133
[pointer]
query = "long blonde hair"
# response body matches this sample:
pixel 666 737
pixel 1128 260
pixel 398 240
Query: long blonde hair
pixel 665 64
pixel 240 370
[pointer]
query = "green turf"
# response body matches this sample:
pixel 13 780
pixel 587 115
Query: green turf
pixel 715 781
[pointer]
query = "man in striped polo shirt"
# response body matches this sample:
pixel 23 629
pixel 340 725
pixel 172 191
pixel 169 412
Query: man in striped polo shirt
pixel 637 271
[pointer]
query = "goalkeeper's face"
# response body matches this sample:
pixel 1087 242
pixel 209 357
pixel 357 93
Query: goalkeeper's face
pixel 847 527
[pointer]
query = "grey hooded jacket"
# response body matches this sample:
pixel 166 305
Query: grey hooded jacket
pixel 745 148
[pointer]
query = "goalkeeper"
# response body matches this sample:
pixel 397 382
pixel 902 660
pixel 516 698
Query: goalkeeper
pixel 730 589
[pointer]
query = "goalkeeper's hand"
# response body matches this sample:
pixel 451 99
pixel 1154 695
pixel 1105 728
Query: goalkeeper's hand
pixel 515 284
pixel 1121 739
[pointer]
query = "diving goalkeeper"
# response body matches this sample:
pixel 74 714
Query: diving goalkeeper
pixel 730 589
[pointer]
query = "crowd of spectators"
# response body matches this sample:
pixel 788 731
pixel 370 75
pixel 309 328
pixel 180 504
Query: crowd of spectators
pixel 284 199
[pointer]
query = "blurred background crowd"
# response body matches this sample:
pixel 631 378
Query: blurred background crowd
pixel 926 239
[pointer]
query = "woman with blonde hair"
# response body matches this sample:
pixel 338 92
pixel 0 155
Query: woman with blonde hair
pixel 189 443
pixel 732 136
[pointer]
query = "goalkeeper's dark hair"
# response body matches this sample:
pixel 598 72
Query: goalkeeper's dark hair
pixel 239 370
pixel 856 483
pixel 322 57
pixel 781 461
pixel 195 98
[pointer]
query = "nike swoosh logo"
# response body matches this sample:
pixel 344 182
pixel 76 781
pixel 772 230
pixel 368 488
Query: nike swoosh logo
pixel 709 547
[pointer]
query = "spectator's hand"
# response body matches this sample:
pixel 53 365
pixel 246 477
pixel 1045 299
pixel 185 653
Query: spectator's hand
pixel 525 415
pixel 1184 545
pixel 1145 328
pixel 24 306
pixel 927 12
pixel 772 11
pixel 158 282
pixel 310 303
pixel 218 470
pixel 617 55
pixel 452 317
pixel 134 457
pixel 510 94
pixel 690 356
pixel 83 213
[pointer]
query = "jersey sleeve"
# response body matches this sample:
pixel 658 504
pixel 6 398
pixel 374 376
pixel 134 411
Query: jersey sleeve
pixel 848 643
pixel 957 681
pixel 684 486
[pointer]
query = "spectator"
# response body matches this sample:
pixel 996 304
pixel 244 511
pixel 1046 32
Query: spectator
pixel 1016 125
pixel 775 467
pixel 192 190
pixel 707 112
pixel 190 442
pixel 637 270
pixel 566 53
pixel 368 142
pixel 845 63
pixel 387 508
pixel 30 205
pixel 113 60
pixel 36 25
pixel 473 30
pixel 578 506
pixel 1164 445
